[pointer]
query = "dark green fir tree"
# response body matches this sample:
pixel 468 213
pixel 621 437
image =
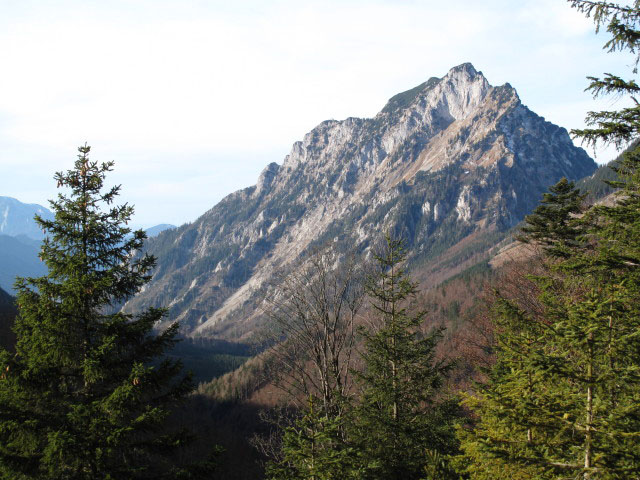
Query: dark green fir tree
pixel 404 419
pixel 554 223
pixel 562 399
pixel 314 448
pixel 523 411
pixel 584 414
pixel 87 394
pixel 607 324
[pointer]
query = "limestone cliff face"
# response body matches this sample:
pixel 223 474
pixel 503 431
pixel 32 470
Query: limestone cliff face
pixel 449 165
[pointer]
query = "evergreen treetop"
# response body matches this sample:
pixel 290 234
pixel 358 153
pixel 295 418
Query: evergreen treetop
pixel 403 414
pixel 87 395
pixel 553 223
pixel 618 127
pixel 566 405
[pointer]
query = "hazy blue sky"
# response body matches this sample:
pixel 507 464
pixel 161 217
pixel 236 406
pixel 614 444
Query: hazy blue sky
pixel 193 98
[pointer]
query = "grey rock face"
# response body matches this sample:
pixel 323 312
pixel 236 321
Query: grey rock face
pixel 450 160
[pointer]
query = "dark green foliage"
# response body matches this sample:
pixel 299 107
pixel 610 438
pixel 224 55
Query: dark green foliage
pixel 402 413
pixel 313 448
pixel 520 429
pixel 614 231
pixel 87 396
pixel 553 224
pixel 240 384
pixel 209 358
pixel 8 313
pixel 562 399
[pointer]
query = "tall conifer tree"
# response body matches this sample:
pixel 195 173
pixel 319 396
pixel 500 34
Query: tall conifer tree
pixel 403 419
pixel 587 362
pixel 562 399
pixel 86 395
pixel 553 224
pixel 611 311
pixel 314 448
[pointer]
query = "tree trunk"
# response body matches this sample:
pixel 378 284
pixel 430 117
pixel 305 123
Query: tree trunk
pixel 589 417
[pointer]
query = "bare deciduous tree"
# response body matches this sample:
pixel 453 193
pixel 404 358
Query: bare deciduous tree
pixel 312 313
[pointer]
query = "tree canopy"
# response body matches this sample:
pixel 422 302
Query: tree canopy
pixel 87 394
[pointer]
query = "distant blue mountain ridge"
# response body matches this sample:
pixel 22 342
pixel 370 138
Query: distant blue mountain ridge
pixel 19 258
pixel 16 218
pixel 20 238
pixel 153 231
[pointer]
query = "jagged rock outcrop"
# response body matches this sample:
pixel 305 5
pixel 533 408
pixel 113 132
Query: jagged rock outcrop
pixel 450 165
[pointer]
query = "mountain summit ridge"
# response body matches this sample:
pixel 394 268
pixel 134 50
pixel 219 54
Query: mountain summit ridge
pixel 456 160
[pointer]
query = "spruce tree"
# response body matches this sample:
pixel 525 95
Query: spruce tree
pixel 404 418
pixel 610 314
pixel 314 448
pixel 553 224
pixel 562 399
pixel 523 412
pixel 87 394
pixel 587 359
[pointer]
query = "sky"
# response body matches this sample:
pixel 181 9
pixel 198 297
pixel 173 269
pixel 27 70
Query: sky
pixel 193 98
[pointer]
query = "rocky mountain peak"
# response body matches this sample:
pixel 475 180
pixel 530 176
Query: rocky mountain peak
pixel 463 88
pixel 449 165
pixel 266 177
pixel 456 94
pixel 467 68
